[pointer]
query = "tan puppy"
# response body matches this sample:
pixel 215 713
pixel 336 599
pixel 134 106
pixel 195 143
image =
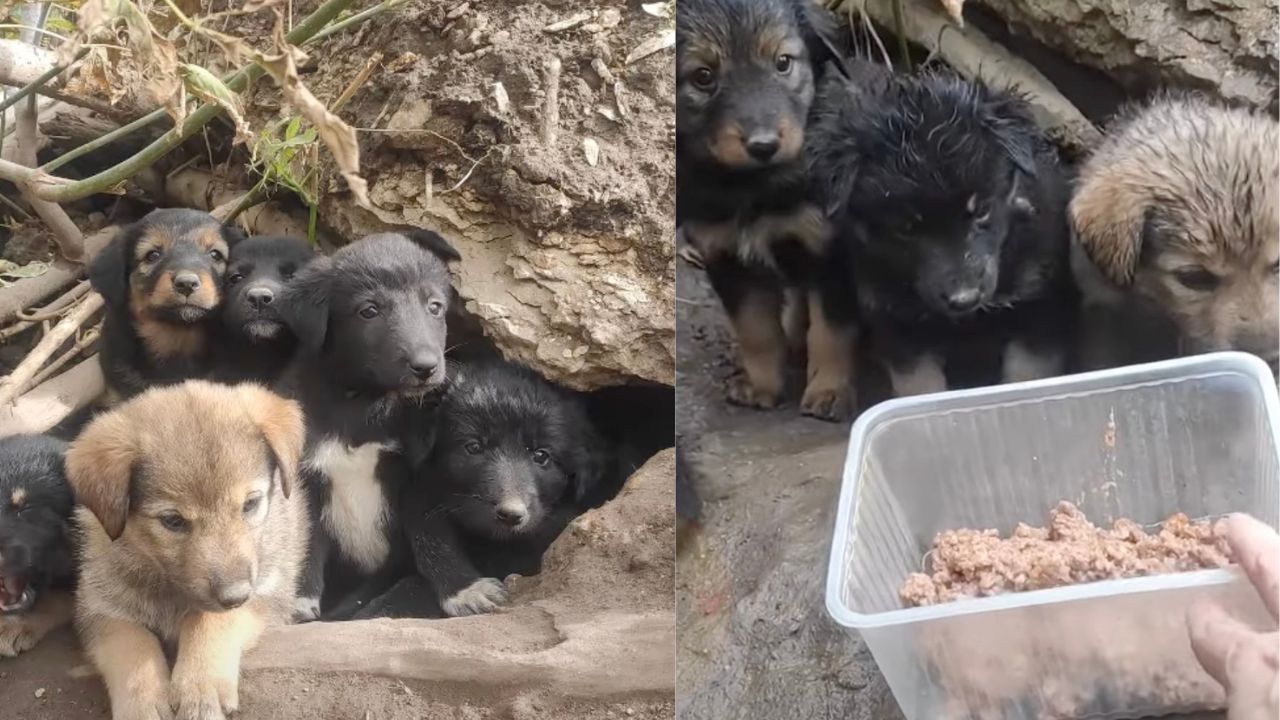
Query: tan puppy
pixel 1180 209
pixel 194 530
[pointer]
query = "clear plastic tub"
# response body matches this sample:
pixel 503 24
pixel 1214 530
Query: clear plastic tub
pixel 1195 435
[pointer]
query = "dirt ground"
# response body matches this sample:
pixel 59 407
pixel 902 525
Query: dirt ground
pixel 755 640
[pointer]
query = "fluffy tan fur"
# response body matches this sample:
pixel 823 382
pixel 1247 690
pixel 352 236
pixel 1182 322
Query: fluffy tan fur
pixel 1185 186
pixel 199 452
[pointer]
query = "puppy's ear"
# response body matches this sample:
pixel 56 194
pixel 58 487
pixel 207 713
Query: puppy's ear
pixel 109 271
pixel 100 469
pixel 232 234
pixel 823 36
pixel 1109 218
pixel 306 303
pixel 434 244
pixel 1015 141
pixel 282 426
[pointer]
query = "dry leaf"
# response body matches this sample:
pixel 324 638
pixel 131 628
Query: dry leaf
pixel 955 8
pixel 208 87
pixel 653 45
pixel 339 137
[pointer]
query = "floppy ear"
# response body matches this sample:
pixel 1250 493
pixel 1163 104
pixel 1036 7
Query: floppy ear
pixel 1015 141
pixel 100 470
pixel 1109 219
pixel 282 426
pixel 434 244
pixel 109 271
pixel 306 303
pixel 232 234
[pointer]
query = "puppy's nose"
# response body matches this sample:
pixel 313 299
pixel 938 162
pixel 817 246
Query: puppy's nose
pixel 423 365
pixel 762 147
pixel 233 595
pixel 963 300
pixel 186 282
pixel 260 297
pixel 512 512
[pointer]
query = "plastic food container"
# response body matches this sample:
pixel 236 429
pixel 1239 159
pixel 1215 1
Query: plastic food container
pixel 1195 435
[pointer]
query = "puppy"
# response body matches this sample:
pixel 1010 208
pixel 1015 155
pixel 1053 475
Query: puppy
pixel 950 215
pixel 192 534
pixel 36 570
pixel 745 72
pixel 256 342
pixel 370 321
pixel 161 278
pixel 1178 211
pixel 511 460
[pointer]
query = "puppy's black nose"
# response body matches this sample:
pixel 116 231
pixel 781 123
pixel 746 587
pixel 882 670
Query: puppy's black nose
pixel 963 300
pixel 762 147
pixel 422 365
pixel 512 513
pixel 186 282
pixel 233 595
pixel 260 297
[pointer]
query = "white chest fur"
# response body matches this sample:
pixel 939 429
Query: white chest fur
pixel 356 513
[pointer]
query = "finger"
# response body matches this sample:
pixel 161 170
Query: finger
pixel 1256 547
pixel 1214 636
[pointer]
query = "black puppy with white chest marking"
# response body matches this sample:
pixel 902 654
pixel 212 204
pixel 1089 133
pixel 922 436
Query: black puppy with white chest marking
pixel 161 278
pixel 745 72
pixel 36 567
pixel 950 210
pixel 370 320
pixel 256 343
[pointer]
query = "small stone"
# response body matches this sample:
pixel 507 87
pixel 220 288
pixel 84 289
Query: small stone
pixel 592 150
pixel 39 693
pixel 630 712
pixel 501 98
pixel 610 18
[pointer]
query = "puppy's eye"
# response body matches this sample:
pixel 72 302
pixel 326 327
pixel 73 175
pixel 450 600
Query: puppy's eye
pixel 783 64
pixel 252 504
pixel 151 256
pixel 173 522
pixel 541 457
pixel 1197 279
pixel 369 312
pixel 472 448
pixel 233 279
pixel 217 255
pixel 435 307
pixel 704 78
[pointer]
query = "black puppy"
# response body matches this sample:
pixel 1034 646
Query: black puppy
pixel 256 342
pixel 512 461
pixel 745 73
pixel 36 568
pixel 370 322
pixel 949 206
pixel 161 278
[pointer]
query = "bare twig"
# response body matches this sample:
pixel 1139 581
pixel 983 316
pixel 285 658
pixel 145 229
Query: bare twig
pixel 551 108
pixel 56 308
pixel 356 82
pixel 229 211
pixel 70 239
pixel 49 403
pixel 38 83
pixel 26 370
pixel 86 339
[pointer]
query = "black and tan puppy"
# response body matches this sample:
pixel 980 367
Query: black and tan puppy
pixel 256 343
pixel 370 320
pixel 192 536
pixel 36 569
pixel 745 73
pixel 161 278
pixel 1179 212
pixel 950 209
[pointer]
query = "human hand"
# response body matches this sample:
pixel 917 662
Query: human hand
pixel 1245 661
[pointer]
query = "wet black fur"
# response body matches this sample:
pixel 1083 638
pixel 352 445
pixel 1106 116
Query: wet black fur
pixel 255 342
pixel 493 423
pixel 125 363
pixel 33 536
pixel 352 374
pixel 896 164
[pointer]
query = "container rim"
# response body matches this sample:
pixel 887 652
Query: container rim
pixel 872 418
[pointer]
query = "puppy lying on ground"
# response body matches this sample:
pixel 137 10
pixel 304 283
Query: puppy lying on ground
pixel 745 74
pixel 370 321
pixel 1179 212
pixel 161 278
pixel 36 569
pixel 949 207
pixel 256 342
pixel 512 460
pixel 192 535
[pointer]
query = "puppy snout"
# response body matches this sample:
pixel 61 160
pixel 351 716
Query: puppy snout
pixel 763 146
pixel 512 512
pixel 963 300
pixel 186 282
pixel 233 595
pixel 260 297
pixel 423 364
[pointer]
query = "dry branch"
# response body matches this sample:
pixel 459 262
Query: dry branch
pixel 50 402
pixel 18 380
pixel 56 308
pixel 86 339
pixel 28 291
pixel 69 238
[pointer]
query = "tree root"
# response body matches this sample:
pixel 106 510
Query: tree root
pixel 22 376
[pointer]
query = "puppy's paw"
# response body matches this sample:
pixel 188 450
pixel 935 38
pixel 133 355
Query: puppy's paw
pixel 195 695
pixel 741 391
pixel 16 636
pixel 825 400
pixel 482 596
pixel 144 706
pixel 306 609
